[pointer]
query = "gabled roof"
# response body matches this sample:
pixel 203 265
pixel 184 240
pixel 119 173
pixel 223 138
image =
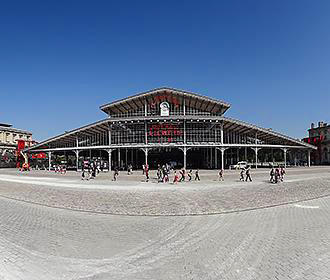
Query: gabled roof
pixel 137 101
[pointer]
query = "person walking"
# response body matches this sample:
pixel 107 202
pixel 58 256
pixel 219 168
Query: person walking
pixel 242 175
pixel 190 175
pixel 115 174
pixel 147 173
pixel 176 178
pixel 277 175
pixel 165 176
pixel 272 174
pixel 159 174
pixel 197 175
pixel 221 175
pixel 282 173
pixel 248 174
pixel 183 175
pixel 83 174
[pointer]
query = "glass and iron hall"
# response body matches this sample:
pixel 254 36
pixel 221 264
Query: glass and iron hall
pixel 177 127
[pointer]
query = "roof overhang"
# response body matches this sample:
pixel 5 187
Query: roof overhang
pixel 229 124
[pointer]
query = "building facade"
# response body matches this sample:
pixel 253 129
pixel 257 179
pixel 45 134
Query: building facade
pixel 178 127
pixel 9 139
pixel 319 136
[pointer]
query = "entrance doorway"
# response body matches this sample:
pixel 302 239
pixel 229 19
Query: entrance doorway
pixel 168 155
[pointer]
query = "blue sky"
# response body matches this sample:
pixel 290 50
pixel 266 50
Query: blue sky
pixel 61 60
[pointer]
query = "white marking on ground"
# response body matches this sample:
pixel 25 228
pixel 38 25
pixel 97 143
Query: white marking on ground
pixel 306 206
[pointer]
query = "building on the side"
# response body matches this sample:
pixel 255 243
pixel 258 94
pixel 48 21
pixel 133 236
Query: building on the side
pixel 173 126
pixel 319 136
pixel 10 136
pixel 9 140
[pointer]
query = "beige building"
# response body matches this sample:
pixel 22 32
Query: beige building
pixel 9 137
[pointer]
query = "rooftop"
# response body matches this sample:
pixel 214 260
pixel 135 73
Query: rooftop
pixel 176 95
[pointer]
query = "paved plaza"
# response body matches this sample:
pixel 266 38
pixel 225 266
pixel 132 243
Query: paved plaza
pixel 59 227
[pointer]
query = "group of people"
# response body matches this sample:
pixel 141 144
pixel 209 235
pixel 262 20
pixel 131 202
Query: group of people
pixel 163 172
pixel 247 172
pixel 61 169
pixel 277 175
pixel 182 177
pixel 90 171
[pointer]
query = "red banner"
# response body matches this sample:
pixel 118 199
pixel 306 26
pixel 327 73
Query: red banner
pixel 21 145
pixel 39 156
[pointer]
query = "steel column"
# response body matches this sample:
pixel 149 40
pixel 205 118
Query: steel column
pixel 285 152
pixel 146 156
pixel 109 158
pixel 119 159
pixel 49 160
pixel 184 158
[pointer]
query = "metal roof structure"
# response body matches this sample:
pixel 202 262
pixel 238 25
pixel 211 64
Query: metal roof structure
pixel 229 124
pixel 138 100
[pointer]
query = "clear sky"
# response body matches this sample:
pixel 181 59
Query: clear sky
pixel 61 60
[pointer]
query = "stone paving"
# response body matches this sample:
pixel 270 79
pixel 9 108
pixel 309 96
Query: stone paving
pixel 147 199
pixel 285 242
pixel 291 241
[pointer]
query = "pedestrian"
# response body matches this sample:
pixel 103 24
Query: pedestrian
pixel 272 174
pixel 143 169
pixel 129 169
pixel 93 173
pixel 159 174
pixel 83 175
pixel 197 175
pixel 190 175
pixel 221 175
pixel 176 178
pixel 282 173
pixel 147 173
pixel 242 175
pixel 277 175
pixel 115 174
pixel 183 175
pixel 165 178
pixel 248 174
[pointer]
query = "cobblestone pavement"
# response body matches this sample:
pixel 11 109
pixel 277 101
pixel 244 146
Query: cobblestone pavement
pixel 285 242
pixel 196 198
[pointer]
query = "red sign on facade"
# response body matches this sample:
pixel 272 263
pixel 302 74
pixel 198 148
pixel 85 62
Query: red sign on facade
pixel 162 98
pixel 39 156
pixel 165 132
